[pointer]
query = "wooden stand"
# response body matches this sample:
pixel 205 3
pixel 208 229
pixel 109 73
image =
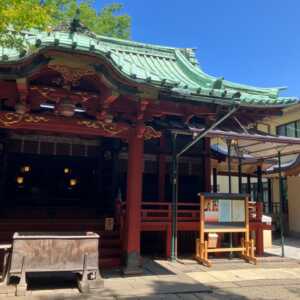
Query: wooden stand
pixel 247 245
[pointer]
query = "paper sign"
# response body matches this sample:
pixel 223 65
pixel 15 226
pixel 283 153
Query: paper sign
pixel 225 211
pixel 238 211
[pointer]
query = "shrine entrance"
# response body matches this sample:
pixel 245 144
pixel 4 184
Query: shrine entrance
pixel 61 183
pixel 47 185
pixel 48 177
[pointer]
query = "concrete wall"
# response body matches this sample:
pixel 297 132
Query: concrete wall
pixel 289 115
pixel 293 184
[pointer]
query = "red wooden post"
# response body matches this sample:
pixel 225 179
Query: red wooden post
pixel 168 240
pixel 259 230
pixel 161 171
pixel 134 199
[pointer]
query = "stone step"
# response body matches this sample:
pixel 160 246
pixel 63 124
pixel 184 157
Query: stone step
pixel 109 262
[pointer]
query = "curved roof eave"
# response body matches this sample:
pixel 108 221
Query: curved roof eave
pixel 163 68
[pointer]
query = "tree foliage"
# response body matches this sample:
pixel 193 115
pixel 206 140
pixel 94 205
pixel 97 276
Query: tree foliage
pixel 17 16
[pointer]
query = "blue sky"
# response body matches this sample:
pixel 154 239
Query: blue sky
pixel 254 42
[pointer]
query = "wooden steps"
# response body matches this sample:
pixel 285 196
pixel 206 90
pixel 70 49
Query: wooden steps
pixel 110 250
pixel 110 263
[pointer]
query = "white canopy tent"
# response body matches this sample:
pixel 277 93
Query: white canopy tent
pixel 257 145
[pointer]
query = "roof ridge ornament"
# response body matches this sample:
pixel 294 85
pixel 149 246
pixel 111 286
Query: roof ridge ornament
pixel 218 83
pixel 75 26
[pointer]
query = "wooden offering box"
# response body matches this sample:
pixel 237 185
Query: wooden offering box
pixel 56 252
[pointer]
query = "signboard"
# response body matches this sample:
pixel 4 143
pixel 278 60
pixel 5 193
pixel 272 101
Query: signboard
pixel 224 210
pixel 109 224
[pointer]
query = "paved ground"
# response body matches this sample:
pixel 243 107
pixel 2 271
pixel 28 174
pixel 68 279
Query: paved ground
pixel 272 278
pixel 291 248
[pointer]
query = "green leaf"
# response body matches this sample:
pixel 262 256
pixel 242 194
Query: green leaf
pixel 18 16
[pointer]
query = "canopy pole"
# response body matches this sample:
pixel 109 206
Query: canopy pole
pixel 175 159
pixel 240 174
pixel 229 188
pixel 174 198
pixel 259 192
pixel 281 204
pixel 249 185
pixel 215 180
pixel 229 166
pixel 270 201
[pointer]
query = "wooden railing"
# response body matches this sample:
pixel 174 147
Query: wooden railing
pixel 156 215
pixel 186 212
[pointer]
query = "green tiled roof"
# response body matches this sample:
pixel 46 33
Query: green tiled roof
pixel 172 70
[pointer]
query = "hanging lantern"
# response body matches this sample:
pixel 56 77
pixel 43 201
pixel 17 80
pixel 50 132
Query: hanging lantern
pixel 20 180
pixel 66 108
pixel 26 169
pixel 67 170
pixel 73 182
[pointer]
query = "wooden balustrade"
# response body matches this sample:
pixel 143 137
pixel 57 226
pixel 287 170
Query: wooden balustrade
pixel 157 216
pixel 186 212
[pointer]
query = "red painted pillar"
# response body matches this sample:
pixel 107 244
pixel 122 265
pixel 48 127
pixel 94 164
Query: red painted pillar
pixel 161 171
pixel 168 240
pixel 259 230
pixel 133 203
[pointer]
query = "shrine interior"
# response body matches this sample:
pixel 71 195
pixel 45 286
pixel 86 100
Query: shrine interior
pixel 63 177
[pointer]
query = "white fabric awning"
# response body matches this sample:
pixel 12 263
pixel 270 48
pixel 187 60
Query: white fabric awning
pixel 256 144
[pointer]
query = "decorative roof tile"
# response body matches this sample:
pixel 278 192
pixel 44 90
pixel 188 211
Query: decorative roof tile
pixel 173 69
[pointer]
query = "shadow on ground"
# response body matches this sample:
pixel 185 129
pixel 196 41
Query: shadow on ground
pixel 158 281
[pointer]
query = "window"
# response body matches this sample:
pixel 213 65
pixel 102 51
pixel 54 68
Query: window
pixel 291 129
pixel 266 193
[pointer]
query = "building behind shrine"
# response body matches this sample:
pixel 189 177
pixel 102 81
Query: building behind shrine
pixel 287 124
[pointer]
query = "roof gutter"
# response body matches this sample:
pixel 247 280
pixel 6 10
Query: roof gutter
pixel 227 102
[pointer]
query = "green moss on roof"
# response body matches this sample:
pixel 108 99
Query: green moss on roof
pixel 172 69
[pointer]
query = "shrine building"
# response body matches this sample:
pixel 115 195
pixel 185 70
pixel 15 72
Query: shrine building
pixel 118 137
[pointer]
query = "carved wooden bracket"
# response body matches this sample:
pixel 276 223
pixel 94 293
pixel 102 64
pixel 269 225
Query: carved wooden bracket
pixel 56 94
pixel 22 87
pixel 71 75
pixel 147 132
pixel 141 109
pixel 151 133
pixel 108 98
